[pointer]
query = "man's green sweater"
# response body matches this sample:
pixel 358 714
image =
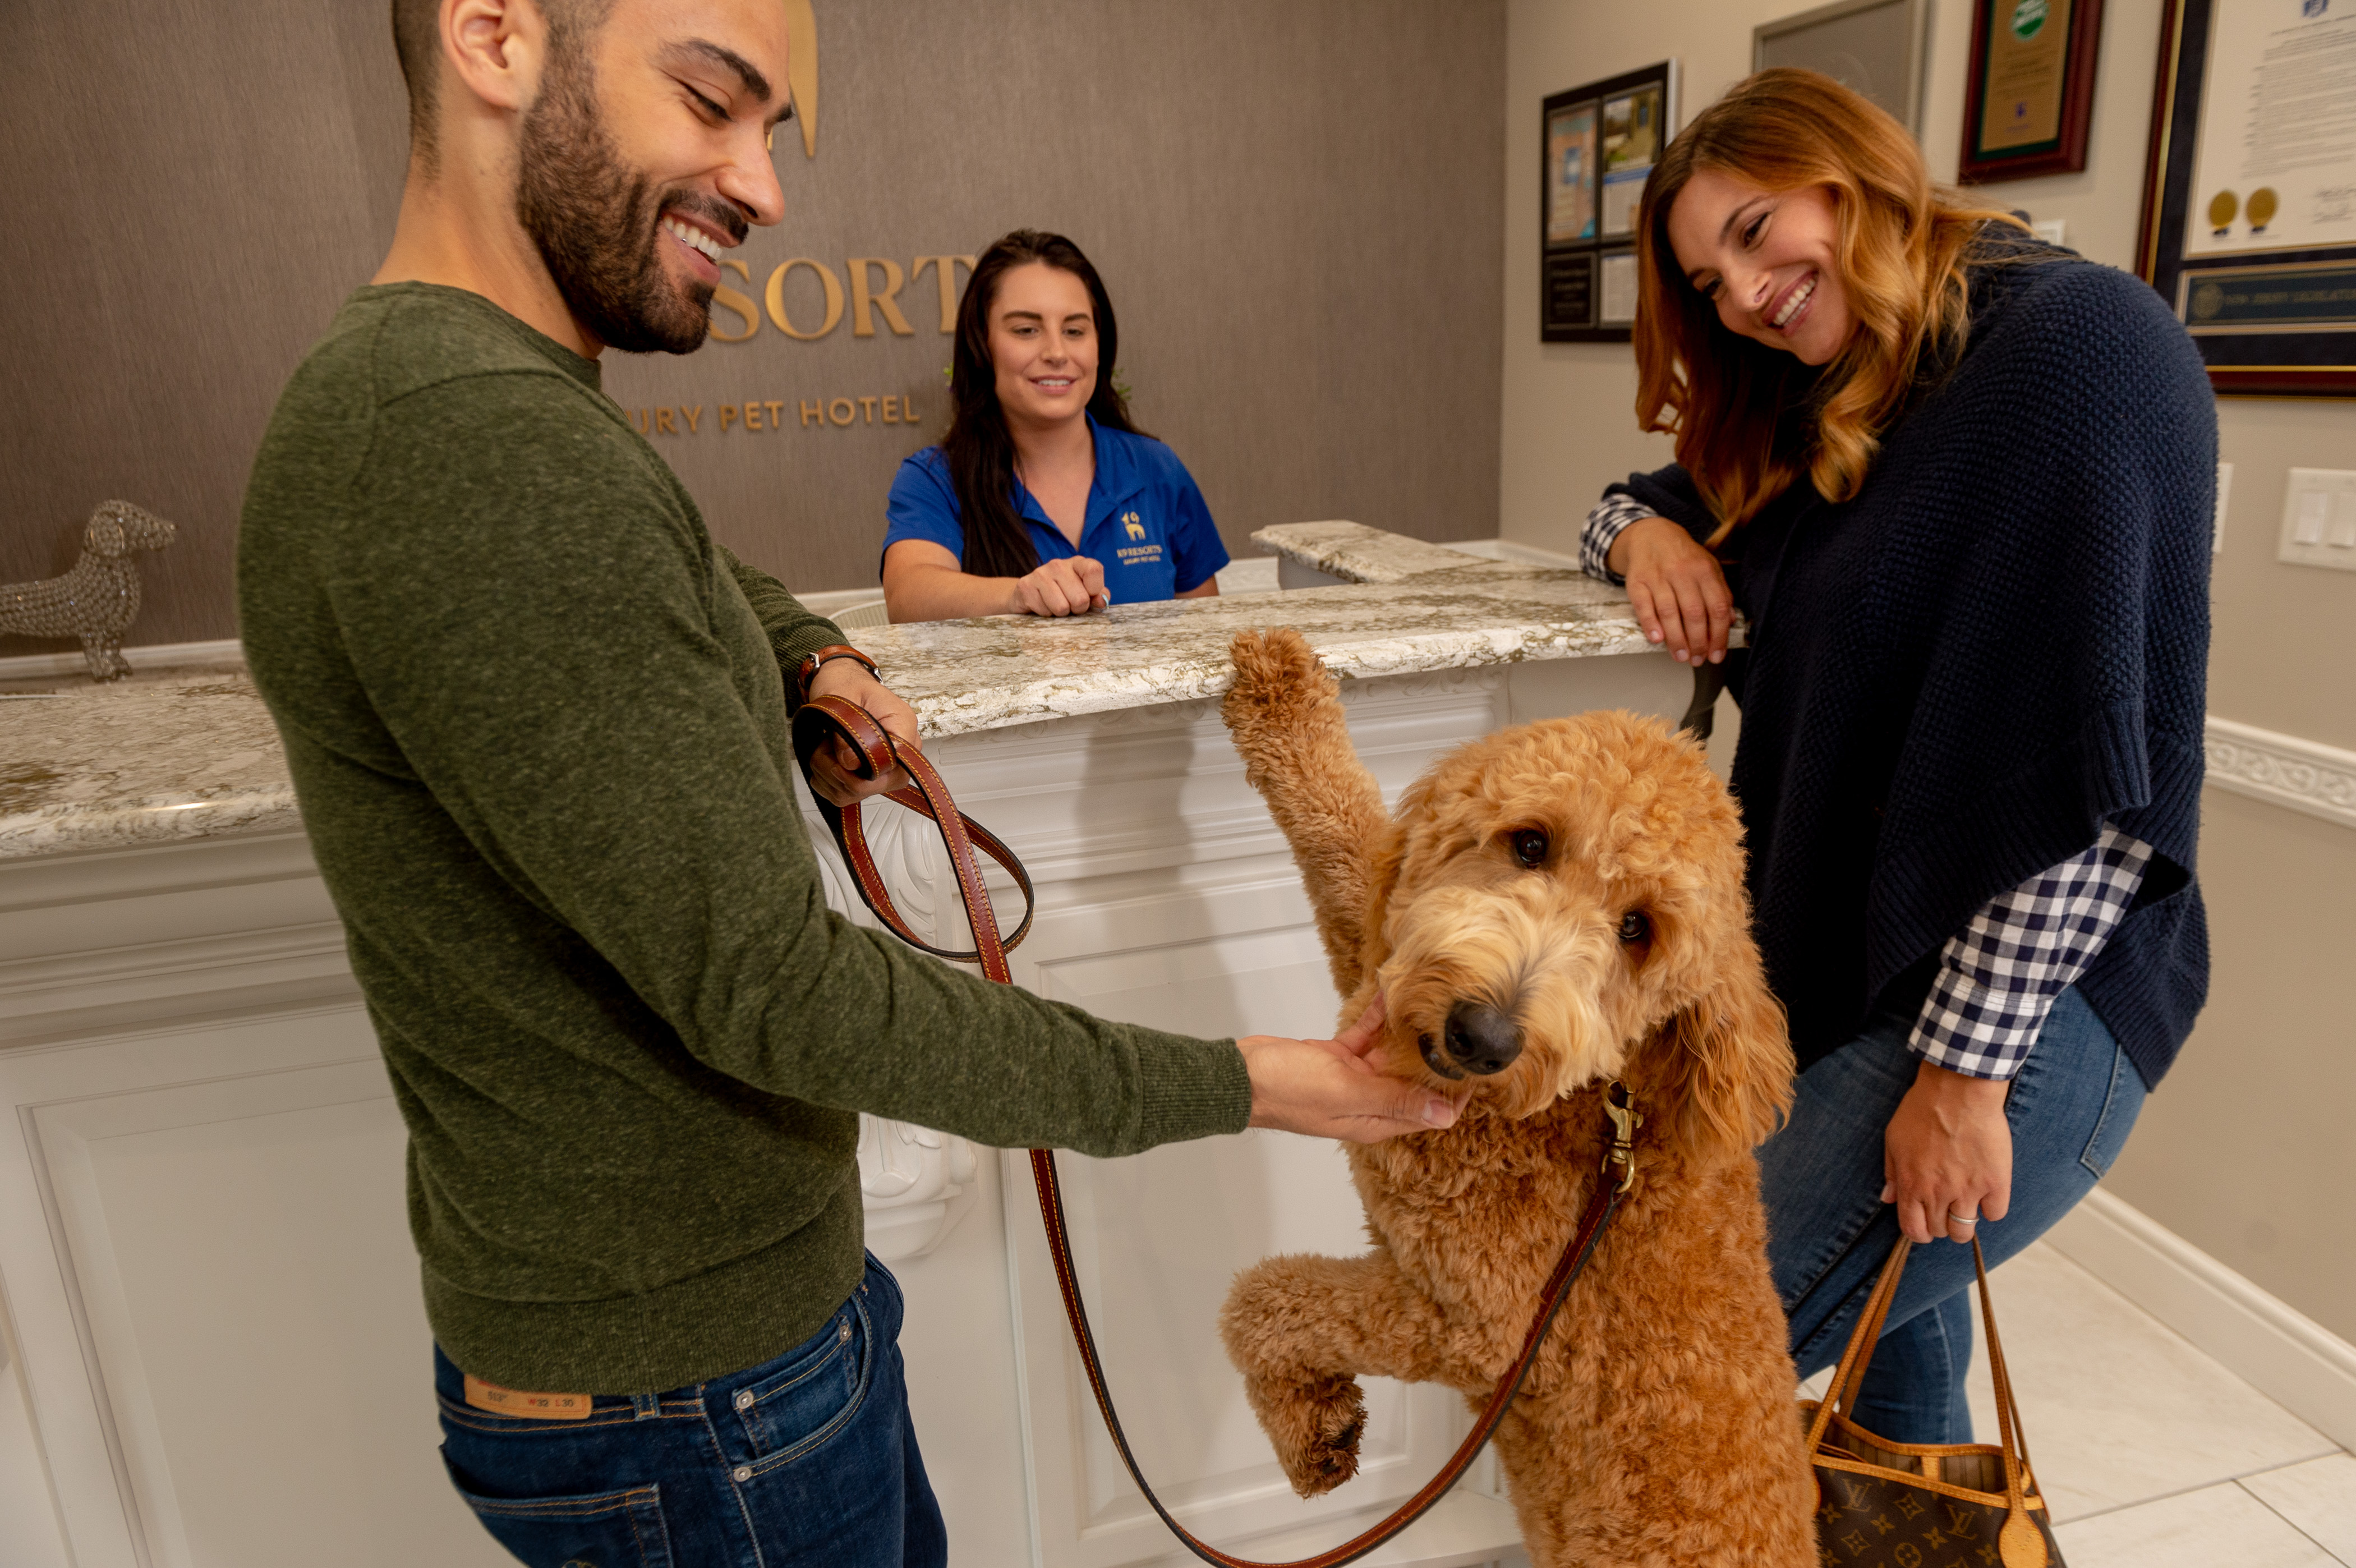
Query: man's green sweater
pixel 537 724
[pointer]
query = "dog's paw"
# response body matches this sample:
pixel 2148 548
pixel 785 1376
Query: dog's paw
pixel 1314 1428
pixel 1276 676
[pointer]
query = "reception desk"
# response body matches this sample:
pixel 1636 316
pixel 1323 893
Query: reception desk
pixel 212 1350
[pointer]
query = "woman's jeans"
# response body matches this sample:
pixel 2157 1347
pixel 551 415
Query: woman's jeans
pixel 1829 1233
pixel 808 1459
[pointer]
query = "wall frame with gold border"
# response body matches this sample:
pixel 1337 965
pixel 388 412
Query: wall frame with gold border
pixel 2263 277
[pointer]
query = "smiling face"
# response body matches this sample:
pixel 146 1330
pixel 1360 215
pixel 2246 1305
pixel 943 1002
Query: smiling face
pixel 1042 345
pixel 1569 907
pixel 1766 260
pixel 645 155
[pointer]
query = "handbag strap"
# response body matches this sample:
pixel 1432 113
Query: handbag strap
pixel 2020 1543
pixel 1841 1394
pixel 822 719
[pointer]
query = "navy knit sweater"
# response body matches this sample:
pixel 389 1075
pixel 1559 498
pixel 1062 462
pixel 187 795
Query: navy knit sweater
pixel 1955 677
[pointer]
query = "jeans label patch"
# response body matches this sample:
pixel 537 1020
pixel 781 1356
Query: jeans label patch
pixel 530 1407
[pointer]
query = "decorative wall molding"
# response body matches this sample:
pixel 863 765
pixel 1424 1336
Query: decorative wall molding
pixel 915 1184
pixel 226 653
pixel 2279 1350
pixel 126 939
pixel 61 995
pixel 2284 770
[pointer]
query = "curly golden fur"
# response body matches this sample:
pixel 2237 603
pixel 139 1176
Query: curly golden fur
pixel 1658 1425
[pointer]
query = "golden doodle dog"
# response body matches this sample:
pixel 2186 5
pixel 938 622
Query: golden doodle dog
pixel 1551 907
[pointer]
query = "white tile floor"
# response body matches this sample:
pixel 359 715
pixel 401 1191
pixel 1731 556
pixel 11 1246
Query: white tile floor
pixel 2152 1456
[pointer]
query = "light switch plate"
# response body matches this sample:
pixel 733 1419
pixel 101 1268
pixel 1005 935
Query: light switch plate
pixel 2318 526
pixel 2052 230
pixel 2224 492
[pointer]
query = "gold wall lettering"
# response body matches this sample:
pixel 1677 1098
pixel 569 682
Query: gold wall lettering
pixel 801 71
pixel 780 413
pixel 867 300
pixel 777 299
pixel 946 267
pixel 738 303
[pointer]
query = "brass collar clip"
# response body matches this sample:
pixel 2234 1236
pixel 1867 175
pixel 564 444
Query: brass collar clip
pixel 1620 1106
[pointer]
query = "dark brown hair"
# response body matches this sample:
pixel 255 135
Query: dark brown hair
pixel 1750 420
pixel 979 450
pixel 417 42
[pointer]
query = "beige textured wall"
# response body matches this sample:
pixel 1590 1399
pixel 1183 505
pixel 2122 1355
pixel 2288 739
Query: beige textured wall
pixel 2245 1152
pixel 1296 205
pixel 195 186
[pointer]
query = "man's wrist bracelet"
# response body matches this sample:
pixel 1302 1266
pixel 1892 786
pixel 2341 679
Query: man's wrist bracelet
pixel 814 662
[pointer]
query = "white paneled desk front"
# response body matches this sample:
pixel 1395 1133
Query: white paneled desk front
pixel 212 1351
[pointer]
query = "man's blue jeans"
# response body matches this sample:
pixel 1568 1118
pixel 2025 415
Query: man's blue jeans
pixel 1829 1233
pixel 808 1459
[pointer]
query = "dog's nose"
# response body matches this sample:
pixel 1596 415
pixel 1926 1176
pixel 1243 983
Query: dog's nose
pixel 1481 1039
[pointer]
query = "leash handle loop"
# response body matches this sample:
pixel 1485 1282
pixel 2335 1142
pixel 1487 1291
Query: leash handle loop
pixel 1602 1203
pixel 822 719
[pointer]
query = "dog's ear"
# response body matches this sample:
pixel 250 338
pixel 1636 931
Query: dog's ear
pixel 1721 1068
pixel 105 537
pixel 1383 862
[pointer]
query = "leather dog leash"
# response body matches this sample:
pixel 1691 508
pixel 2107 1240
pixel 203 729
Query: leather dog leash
pixel 821 720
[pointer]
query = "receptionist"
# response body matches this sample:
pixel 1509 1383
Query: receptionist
pixel 1043 499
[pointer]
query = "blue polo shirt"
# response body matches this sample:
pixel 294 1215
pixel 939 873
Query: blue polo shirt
pixel 1147 523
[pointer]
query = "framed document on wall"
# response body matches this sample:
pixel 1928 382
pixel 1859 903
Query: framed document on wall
pixel 1875 47
pixel 2249 217
pixel 2029 98
pixel 1599 144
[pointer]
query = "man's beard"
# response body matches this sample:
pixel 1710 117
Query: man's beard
pixel 595 220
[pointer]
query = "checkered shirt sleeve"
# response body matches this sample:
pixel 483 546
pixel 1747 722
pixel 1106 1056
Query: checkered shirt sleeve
pixel 1611 514
pixel 1999 976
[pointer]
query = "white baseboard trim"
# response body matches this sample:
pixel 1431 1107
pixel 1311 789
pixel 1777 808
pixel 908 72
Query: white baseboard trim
pixel 2284 770
pixel 2277 1349
pixel 225 652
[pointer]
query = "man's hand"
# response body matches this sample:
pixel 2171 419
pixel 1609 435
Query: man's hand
pixel 1948 1152
pixel 1328 1089
pixel 833 769
pixel 1677 588
pixel 1071 585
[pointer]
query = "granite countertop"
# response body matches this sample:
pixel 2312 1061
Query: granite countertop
pixel 167 754
pixel 173 755
pixel 1403 606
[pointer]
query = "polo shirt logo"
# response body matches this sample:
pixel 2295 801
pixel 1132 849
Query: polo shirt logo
pixel 1136 528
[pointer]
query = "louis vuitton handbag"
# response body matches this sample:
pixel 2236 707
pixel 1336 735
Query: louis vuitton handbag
pixel 1903 1505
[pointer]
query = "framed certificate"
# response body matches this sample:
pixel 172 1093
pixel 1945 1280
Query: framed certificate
pixel 1877 47
pixel 2249 216
pixel 1599 144
pixel 2030 99
pixel 1570 173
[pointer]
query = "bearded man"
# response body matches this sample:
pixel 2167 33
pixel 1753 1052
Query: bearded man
pixel 538 722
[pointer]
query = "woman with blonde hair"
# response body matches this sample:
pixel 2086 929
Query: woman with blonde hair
pixel 1959 486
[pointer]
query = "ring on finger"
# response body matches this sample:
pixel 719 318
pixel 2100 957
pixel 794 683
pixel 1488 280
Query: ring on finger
pixel 1955 1218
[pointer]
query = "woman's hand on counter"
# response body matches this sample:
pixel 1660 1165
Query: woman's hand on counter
pixel 831 770
pixel 1330 1089
pixel 923 581
pixel 1677 588
pixel 1070 586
